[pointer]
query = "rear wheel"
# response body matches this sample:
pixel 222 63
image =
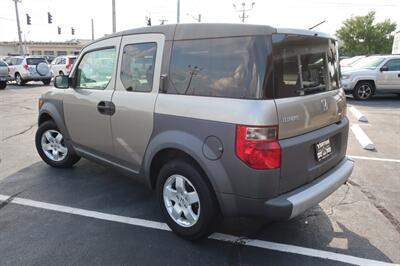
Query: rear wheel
pixel 52 147
pixel 3 85
pixel 61 73
pixel 19 80
pixel 46 81
pixel 363 90
pixel 186 199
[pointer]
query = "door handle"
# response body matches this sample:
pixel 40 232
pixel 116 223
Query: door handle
pixel 106 107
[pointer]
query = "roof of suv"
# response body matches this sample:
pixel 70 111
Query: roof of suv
pixel 212 30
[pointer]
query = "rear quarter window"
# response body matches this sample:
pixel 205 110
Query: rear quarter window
pixel 221 67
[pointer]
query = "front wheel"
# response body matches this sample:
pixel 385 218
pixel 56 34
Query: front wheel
pixel 187 200
pixel 52 148
pixel 363 91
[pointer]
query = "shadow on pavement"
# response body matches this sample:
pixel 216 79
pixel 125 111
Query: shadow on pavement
pixel 94 187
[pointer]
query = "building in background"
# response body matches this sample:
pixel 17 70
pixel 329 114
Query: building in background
pixel 44 48
pixel 396 43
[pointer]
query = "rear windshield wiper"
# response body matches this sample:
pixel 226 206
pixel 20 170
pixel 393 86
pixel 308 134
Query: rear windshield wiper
pixel 311 90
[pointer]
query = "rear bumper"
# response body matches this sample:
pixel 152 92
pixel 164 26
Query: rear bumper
pixel 291 204
pixel 4 78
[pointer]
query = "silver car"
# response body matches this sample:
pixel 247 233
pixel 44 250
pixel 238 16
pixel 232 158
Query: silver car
pixel 4 74
pixel 372 75
pixel 30 68
pixel 62 65
pixel 219 119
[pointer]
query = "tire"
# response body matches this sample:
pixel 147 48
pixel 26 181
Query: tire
pixel 195 219
pixel 363 90
pixel 61 73
pixel 47 136
pixel 46 81
pixel 19 80
pixel 3 85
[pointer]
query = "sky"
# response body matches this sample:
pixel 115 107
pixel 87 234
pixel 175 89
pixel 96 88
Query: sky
pixel 131 14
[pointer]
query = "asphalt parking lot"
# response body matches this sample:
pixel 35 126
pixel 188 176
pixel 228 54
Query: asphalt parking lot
pixel 92 215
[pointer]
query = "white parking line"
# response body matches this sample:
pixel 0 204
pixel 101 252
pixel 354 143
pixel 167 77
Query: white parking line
pixel 216 236
pixel 362 138
pixel 357 114
pixel 374 159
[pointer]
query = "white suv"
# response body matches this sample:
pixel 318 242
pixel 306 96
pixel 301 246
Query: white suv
pixel 30 68
pixel 373 75
pixel 62 65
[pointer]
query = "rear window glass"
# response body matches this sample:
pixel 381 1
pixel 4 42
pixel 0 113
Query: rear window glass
pixel 2 63
pixel 35 61
pixel 304 65
pixel 222 67
pixel 72 60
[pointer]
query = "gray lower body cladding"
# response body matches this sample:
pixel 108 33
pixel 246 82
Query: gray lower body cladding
pixel 241 190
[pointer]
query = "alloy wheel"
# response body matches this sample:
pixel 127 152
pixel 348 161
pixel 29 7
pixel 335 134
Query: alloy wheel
pixel 53 145
pixel 364 91
pixel 181 200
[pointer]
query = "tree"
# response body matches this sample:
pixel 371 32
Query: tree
pixel 359 35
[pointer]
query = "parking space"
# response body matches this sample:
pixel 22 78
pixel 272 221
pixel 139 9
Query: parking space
pixel 84 214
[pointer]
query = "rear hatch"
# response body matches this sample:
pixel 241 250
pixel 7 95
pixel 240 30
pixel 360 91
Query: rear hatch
pixel 310 107
pixel 33 63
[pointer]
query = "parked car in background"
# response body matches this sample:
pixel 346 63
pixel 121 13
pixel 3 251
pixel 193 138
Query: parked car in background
pixel 30 68
pixel 349 62
pixel 4 74
pixel 219 119
pixel 373 75
pixel 62 65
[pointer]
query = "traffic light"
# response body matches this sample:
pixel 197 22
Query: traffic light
pixel 28 19
pixel 72 31
pixel 149 22
pixel 49 18
pixel 59 30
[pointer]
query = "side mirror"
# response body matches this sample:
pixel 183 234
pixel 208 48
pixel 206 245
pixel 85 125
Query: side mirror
pixel 61 82
pixel 384 68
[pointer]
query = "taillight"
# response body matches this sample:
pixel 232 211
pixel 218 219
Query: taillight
pixel 68 64
pixel 25 66
pixel 258 146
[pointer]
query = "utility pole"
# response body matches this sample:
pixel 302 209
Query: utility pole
pixel 178 11
pixel 114 24
pixel 18 25
pixel 244 10
pixel 162 20
pixel 92 30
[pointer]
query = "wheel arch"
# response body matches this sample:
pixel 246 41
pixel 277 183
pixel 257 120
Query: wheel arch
pixel 175 144
pixel 369 80
pixel 53 110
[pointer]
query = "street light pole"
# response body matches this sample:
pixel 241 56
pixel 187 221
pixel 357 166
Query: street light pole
pixel 114 24
pixel 18 25
pixel 178 11
pixel 92 30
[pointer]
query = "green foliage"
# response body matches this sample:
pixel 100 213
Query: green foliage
pixel 359 35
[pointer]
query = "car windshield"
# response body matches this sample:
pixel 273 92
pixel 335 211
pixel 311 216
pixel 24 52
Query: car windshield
pixel 369 62
pixel 35 61
pixel 351 61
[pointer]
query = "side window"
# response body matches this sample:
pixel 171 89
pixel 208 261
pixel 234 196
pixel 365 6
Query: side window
pixel 2 63
pixel 137 66
pixel 19 61
pixel 96 69
pixel 393 65
pixel 222 67
pixel 62 61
